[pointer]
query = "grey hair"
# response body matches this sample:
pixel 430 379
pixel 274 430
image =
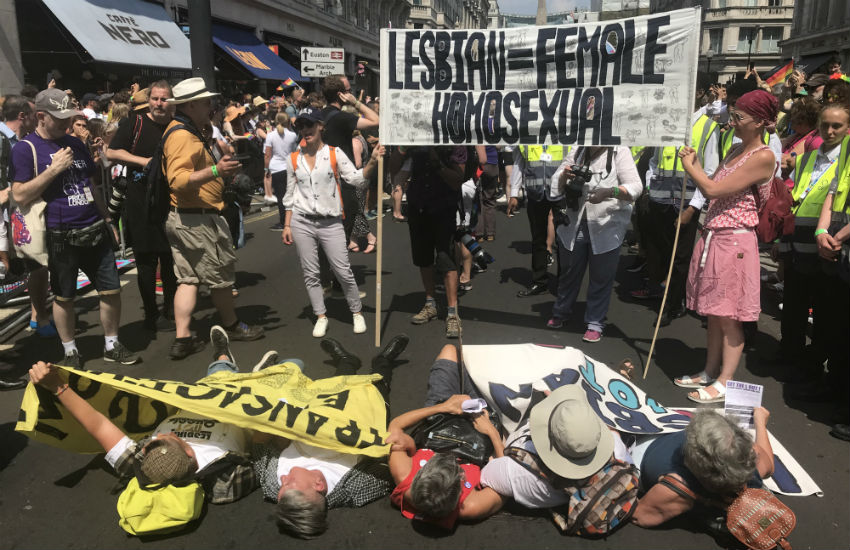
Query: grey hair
pixel 302 517
pixel 435 489
pixel 718 452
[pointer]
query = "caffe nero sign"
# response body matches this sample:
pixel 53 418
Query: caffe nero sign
pixel 124 31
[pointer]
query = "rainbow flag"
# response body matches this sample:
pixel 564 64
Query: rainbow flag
pixel 286 84
pixel 779 74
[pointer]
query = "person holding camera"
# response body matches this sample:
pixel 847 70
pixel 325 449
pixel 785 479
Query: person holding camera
pixel 596 187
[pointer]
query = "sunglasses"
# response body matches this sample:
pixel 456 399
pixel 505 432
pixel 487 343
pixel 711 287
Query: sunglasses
pixel 736 116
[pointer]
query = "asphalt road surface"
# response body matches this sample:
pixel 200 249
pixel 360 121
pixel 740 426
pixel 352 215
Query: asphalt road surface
pixel 54 499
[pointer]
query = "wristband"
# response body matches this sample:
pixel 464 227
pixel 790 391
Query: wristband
pixel 61 390
pixel 616 192
pixel 820 231
pixel 214 169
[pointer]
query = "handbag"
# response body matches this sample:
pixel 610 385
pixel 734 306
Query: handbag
pixel 29 230
pixel 455 434
pixel 755 517
pixel 86 237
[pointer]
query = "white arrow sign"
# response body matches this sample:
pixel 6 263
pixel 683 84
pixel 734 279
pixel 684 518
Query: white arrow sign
pixel 322 69
pixel 327 55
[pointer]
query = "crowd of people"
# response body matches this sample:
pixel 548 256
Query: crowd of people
pixel 180 163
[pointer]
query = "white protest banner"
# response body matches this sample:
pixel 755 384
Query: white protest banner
pixel 619 82
pixel 512 378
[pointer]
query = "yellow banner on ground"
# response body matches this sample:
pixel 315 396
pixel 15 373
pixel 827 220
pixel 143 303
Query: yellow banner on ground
pixel 343 413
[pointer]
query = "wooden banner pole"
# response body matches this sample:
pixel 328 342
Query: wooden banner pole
pixel 379 254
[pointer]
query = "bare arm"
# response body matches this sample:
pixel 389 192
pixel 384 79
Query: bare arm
pixel 480 504
pixel 25 192
pixel 125 157
pixel 482 424
pixel 267 157
pixel 757 170
pixel 764 452
pixel 95 423
pixel 452 405
pixel 659 505
pixel 357 151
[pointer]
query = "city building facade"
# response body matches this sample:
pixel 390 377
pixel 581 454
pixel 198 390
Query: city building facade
pixel 448 14
pixel 736 33
pixel 821 28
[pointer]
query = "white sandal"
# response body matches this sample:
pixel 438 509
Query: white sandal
pixel 696 381
pixel 692 382
pixel 704 397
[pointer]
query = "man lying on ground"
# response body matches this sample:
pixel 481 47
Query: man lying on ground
pixel 305 480
pixel 176 450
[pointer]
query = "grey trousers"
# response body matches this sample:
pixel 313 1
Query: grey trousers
pixel 328 233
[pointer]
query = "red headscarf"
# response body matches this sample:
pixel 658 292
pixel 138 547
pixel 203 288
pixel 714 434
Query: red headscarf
pixel 759 104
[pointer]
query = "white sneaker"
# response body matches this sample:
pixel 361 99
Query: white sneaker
pixel 320 328
pixel 270 200
pixel 359 323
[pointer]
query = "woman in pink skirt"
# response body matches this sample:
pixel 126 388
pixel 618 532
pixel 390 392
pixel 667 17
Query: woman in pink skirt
pixel 723 281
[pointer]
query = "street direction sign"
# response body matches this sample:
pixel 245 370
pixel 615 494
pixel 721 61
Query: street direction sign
pixel 326 55
pixel 321 69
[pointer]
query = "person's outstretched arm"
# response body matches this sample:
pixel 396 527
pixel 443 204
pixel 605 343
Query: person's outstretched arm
pixel 95 423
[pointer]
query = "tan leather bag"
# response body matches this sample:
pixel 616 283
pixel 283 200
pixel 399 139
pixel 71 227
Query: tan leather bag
pixel 755 517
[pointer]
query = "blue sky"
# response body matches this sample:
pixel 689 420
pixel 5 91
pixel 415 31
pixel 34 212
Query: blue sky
pixel 530 6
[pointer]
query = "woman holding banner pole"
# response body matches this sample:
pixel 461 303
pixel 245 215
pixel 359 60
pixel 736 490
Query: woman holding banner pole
pixel 723 281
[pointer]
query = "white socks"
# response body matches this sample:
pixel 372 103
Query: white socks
pixel 69 346
pixel 109 342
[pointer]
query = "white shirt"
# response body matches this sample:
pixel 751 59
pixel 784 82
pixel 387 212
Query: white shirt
pixel 823 160
pixel 90 114
pixel 282 146
pixel 333 465
pixel 510 479
pixel 315 192
pixel 607 221
pixel 210 439
pixel 718 108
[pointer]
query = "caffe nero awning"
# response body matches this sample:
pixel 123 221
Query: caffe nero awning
pixel 252 54
pixel 124 31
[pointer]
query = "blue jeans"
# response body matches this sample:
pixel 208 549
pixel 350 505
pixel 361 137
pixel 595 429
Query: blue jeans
pixel 220 364
pixel 603 270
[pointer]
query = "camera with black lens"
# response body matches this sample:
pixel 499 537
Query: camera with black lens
pixel 575 186
pixel 481 257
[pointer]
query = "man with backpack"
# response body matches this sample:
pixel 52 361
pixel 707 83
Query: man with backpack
pixel 200 238
pixel 133 146
pixel 562 449
pixel 51 166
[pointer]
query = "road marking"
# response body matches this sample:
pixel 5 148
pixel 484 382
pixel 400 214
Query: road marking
pixel 262 216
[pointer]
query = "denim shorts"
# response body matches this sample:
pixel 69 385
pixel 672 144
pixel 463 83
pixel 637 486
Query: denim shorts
pixel 97 262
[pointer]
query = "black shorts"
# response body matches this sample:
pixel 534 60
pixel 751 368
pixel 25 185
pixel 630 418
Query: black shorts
pixel 432 235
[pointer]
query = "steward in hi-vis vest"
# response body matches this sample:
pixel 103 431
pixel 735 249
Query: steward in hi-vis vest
pixel 658 227
pixel 534 166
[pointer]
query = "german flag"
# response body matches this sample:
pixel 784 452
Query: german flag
pixel 779 74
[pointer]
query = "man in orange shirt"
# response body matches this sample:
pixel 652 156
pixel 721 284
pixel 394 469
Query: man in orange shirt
pixel 199 237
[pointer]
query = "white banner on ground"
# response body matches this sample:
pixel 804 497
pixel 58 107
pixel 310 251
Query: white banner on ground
pixel 619 82
pixel 513 377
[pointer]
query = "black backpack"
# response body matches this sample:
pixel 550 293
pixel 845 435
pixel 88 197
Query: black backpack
pixel 158 193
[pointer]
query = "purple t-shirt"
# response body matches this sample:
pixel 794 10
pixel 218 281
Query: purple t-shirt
pixel 70 196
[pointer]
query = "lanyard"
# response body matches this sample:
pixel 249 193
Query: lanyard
pixel 814 181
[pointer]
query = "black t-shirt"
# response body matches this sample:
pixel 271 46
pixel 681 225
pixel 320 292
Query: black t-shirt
pixel 149 137
pixel 427 192
pixel 339 129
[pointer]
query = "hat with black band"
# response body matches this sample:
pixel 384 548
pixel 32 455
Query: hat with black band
pixel 190 89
